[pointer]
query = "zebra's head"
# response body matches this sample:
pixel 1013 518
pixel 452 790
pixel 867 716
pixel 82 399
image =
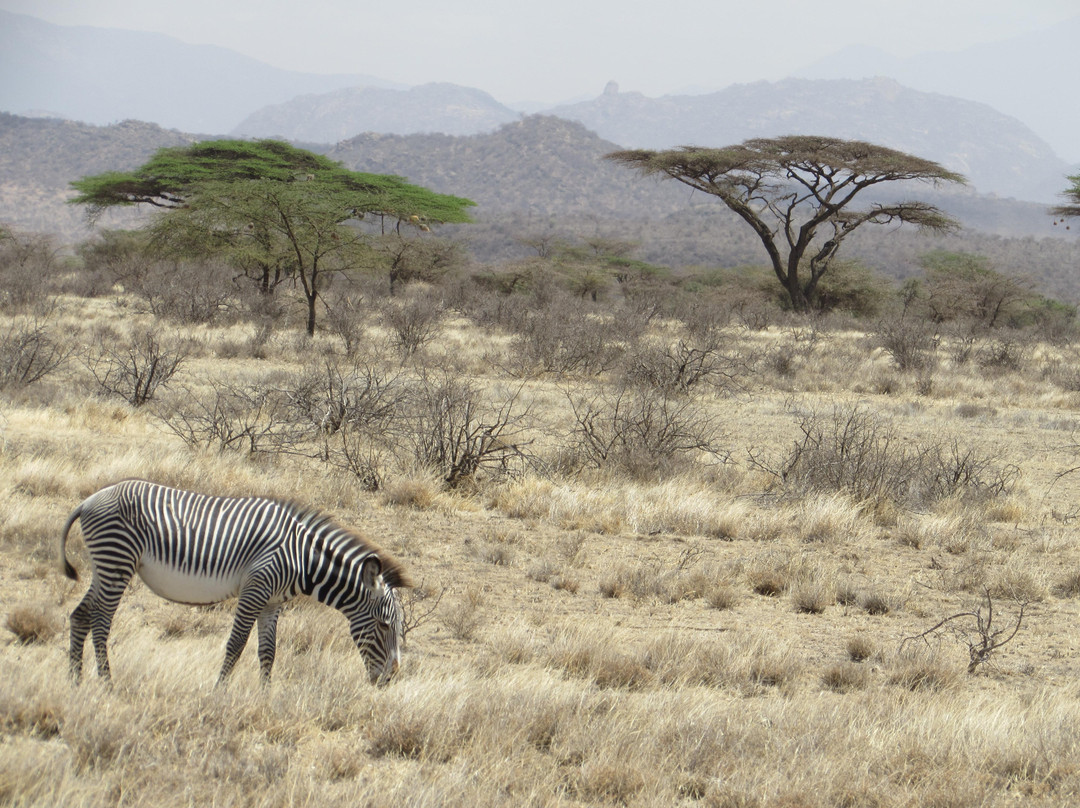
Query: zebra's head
pixel 377 623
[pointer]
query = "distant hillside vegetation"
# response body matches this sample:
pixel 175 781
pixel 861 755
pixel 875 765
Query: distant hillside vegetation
pixel 538 175
pixel 40 156
pixel 539 165
pixel 997 153
pixel 330 117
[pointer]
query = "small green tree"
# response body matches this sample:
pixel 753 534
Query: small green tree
pixel 798 194
pixel 276 211
pixel 964 286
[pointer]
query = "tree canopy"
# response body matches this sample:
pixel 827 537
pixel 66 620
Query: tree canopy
pixel 274 210
pixel 797 193
pixel 174 175
pixel 1072 208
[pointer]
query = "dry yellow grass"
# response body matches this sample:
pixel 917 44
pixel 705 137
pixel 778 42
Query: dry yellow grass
pixel 527 685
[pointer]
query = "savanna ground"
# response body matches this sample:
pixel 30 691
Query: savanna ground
pixel 719 621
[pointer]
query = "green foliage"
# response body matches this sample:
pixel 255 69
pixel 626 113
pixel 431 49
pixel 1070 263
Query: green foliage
pixel 173 176
pixel 853 288
pixel 1073 195
pixel 959 286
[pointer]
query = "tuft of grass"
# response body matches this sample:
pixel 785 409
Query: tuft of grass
pixel 32 624
pixel 812 596
pixel 419 492
pixel 860 648
pixel 722 595
pixel 874 603
pixel 923 669
pixel 845 677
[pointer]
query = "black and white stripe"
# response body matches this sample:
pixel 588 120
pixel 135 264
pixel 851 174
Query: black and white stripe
pixel 195 548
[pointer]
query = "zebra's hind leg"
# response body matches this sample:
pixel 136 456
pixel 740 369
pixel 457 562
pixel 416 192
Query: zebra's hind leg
pixel 268 618
pixel 101 617
pixel 80 626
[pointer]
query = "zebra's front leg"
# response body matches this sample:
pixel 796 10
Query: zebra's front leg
pixel 251 604
pixel 268 618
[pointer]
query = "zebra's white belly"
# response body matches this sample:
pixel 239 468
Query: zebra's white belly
pixel 182 587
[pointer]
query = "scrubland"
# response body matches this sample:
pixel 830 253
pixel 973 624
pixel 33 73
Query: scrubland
pixel 653 586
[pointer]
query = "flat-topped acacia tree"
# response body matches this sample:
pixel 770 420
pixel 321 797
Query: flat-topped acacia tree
pixel 276 211
pixel 798 194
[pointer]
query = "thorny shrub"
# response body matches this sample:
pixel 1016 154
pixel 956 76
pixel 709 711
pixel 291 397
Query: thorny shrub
pixel 855 452
pixel 30 351
pixel 640 431
pixel 137 369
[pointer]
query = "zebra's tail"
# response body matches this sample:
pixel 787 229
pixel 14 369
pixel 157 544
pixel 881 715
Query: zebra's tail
pixel 69 570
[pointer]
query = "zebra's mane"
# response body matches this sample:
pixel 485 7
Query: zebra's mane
pixel 392 570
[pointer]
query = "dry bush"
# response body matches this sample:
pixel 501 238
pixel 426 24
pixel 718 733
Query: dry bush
pixel 581 653
pixel 977 630
pixel 137 370
pixel 252 418
pixel 344 319
pixel 32 624
pixel 464 615
pixel 413 322
pixel 864 456
pixel 645 433
pixel 30 350
pixel 1068 584
pixel 908 340
pixel 353 413
pixel 456 433
pixel 829 518
pixel 27 267
pixel 498 554
pixel 685 366
pixel 420 491
pixel 812 595
pixel 1005 354
pixel 875 603
pixel 773 572
pixel 644 581
pixel 568 339
pixel 186 292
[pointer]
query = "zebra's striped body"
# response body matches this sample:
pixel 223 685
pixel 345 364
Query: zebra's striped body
pixel 194 548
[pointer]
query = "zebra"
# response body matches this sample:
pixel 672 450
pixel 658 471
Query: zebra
pixel 199 549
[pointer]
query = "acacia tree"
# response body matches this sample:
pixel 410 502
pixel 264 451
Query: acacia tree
pixel 798 192
pixel 277 212
pixel 1072 208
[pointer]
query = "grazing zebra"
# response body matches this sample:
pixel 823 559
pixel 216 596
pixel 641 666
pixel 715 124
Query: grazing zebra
pixel 198 549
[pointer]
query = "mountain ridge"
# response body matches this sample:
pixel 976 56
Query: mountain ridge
pixel 86 74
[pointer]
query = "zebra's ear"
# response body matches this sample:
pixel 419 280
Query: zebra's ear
pixel 371 569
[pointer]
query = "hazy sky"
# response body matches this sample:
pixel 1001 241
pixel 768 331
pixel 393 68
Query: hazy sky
pixel 554 50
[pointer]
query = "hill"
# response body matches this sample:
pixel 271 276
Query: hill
pixel 40 156
pixel 330 117
pixel 101 76
pixel 539 165
pixel 997 153
pixel 1026 76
